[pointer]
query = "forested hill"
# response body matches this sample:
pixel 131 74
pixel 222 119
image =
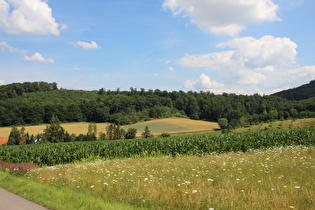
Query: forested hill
pixel 16 89
pixel 302 92
pixel 20 104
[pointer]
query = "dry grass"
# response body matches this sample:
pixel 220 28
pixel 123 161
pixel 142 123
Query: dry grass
pixel 76 128
pixel 175 126
pixel 280 178
pixel 286 124
pixel 170 125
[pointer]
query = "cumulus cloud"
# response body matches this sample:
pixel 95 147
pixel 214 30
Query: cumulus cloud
pixel 28 17
pixel 37 57
pixel 204 82
pixel 2 82
pixel 6 47
pixel 224 17
pixel 252 64
pixel 86 45
pixel 266 51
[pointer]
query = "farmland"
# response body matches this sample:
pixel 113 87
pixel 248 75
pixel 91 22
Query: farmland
pixel 158 126
pixel 270 169
pixel 285 124
pixel 198 144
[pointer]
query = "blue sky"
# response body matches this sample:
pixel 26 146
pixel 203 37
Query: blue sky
pixel 233 46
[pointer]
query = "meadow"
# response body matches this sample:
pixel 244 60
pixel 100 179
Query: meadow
pixel 276 178
pixel 285 124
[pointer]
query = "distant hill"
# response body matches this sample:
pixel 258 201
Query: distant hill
pixel 300 93
pixel 33 103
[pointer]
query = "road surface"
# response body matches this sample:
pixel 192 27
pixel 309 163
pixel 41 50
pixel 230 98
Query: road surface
pixel 11 201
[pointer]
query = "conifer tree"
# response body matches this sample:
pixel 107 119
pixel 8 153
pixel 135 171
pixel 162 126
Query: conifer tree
pixel 54 133
pixel 14 137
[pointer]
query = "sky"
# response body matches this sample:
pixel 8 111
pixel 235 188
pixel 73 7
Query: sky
pixel 232 46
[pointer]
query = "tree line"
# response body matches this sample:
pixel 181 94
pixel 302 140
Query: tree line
pixel 299 93
pixel 128 107
pixel 55 133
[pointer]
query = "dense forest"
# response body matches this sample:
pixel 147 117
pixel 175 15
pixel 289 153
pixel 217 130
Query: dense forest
pixel 302 92
pixel 37 102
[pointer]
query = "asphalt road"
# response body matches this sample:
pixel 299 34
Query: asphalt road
pixel 11 201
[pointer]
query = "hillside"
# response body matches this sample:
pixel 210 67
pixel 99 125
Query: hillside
pixel 36 103
pixel 299 93
pixel 170 125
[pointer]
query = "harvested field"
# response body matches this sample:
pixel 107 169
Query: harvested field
pixel 175 126
pixel 169 125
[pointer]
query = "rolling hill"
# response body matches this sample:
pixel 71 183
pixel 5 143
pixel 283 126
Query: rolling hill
pixel 157 126
pixel 299 93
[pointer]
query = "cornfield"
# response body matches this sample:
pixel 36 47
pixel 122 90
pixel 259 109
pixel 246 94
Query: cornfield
pixel 198 144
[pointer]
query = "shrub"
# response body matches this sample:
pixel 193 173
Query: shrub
pixel 131 133
pixel 165 135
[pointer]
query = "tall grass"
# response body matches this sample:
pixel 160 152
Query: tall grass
pixel 57 198
pixel 202 144
pixel 279 178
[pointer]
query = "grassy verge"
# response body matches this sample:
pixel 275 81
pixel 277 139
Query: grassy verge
pixel 286 124
pixel 59 198
pixel 277 178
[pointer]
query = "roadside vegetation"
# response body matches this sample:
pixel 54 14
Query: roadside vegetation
pixel 56 197
pixel 274 178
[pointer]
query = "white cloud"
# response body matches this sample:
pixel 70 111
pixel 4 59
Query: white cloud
pixel 170 68
pixel 204 82
pixel 212 60
pixel 28 17
pixel 6 47
pixel 86 45
pixel 2 82
pixel 254 64
pixel 39 58
pixel 226 17
pixel 263 52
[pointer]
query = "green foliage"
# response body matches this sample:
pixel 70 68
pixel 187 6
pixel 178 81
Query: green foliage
pixel 18 137
pixel 201 144
pixel 54 133
pixel 223 123
pixel 146 133
pixel 15 137
pixel 34 103
pixel 16 89
pixel 302 92
pixel 165 135
pixel 131 133
pixel 101 136
pixel 114 131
